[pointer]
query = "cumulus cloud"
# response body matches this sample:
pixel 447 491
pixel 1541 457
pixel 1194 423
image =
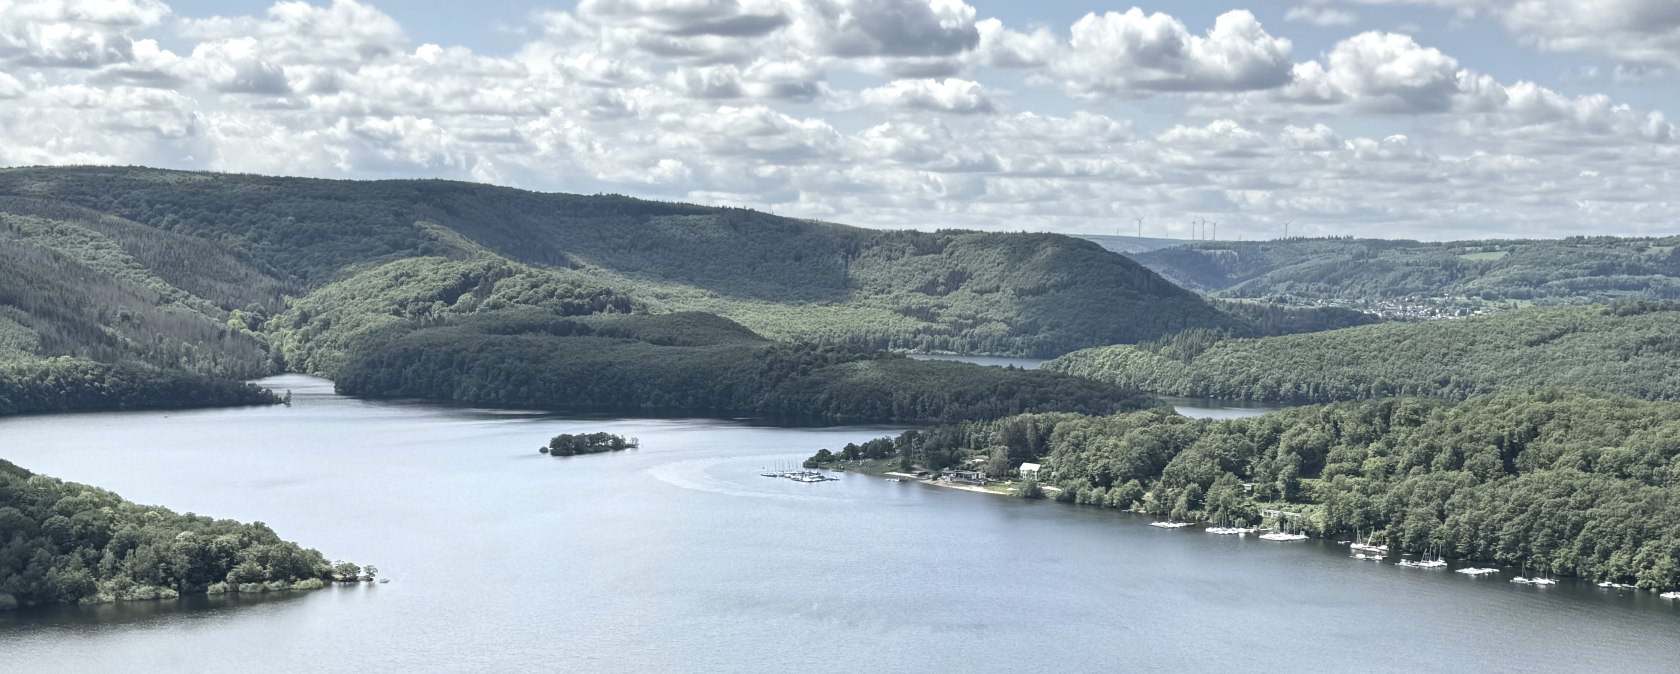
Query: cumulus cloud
pixel 947 95
pixel 874 112
pixel 1115 53
pixel 73 33
pixel 1637 31
pixel 1005 48
pixel 1379 72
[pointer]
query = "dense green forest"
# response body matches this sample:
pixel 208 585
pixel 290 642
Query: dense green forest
pixel 1465 275
pixel 573 444
pixel 68 384
pixel 320 331
pixel 66 543
pixel 970 292
pixel 1631 348
pixel 691 363
pixel 1563 482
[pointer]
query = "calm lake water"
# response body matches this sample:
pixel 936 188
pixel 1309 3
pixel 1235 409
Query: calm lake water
pixel 679 557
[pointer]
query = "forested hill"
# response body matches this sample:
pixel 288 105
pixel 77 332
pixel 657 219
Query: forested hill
pixel 1028 294
pixel 1631 348
pixel 1452 275
pixel 1563 482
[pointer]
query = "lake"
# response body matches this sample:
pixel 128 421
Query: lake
pixel 679 557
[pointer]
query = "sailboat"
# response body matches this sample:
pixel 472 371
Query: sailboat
pixel 1282 534
pixel 1361 543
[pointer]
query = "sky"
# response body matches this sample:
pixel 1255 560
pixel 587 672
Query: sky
pixel 1428 119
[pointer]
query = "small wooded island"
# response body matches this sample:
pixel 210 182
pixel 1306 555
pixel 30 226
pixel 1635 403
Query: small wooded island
pixel 567 444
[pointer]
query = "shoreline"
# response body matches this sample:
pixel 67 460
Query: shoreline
pixel 948 485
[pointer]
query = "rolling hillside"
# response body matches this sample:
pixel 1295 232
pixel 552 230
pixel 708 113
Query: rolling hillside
pixel 1452 278
pixel 1026 294
pixel 1628 348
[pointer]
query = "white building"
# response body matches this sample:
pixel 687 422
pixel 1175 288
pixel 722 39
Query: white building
pixel 1029 471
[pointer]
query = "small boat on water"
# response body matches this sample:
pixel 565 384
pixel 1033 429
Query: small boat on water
pixel 1542 581
pixel 1609 585
pixel 1283 534
pixel 1670 595
pixel 1367 557
pixel 1522 581
pixel 1477 571
pixel 1169 524
pixel 1362 543
pixel 1429 560
pixel 1230 531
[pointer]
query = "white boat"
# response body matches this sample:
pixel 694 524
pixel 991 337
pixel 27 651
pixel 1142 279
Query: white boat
pixel 1281 536
pixel 1670 595
pixel 1521 581
pixel 1367 557
pixel 1360 543
pixel 1543 581
pixel 1428 561
pixel 1170 524
pixel 1475 571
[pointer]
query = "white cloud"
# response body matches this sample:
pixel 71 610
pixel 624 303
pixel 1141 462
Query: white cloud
pixel 731 18
pixel 947 95
pixel 73 33
pixel 1321 16
pixel 1134 51
pixel 1643 31
pixel 1637 31
pixel 1379 72
pixel 874 112
pixel 1005 48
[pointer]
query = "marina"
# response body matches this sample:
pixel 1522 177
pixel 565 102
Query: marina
pixel 800 475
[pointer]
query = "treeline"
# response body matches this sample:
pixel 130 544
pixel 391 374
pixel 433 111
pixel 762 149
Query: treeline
pixel 1541 271
pixel 573 444
pixel 1631 348
pixel 68 384
pixel 1563 482
pixel 695 363
pixel 67 543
